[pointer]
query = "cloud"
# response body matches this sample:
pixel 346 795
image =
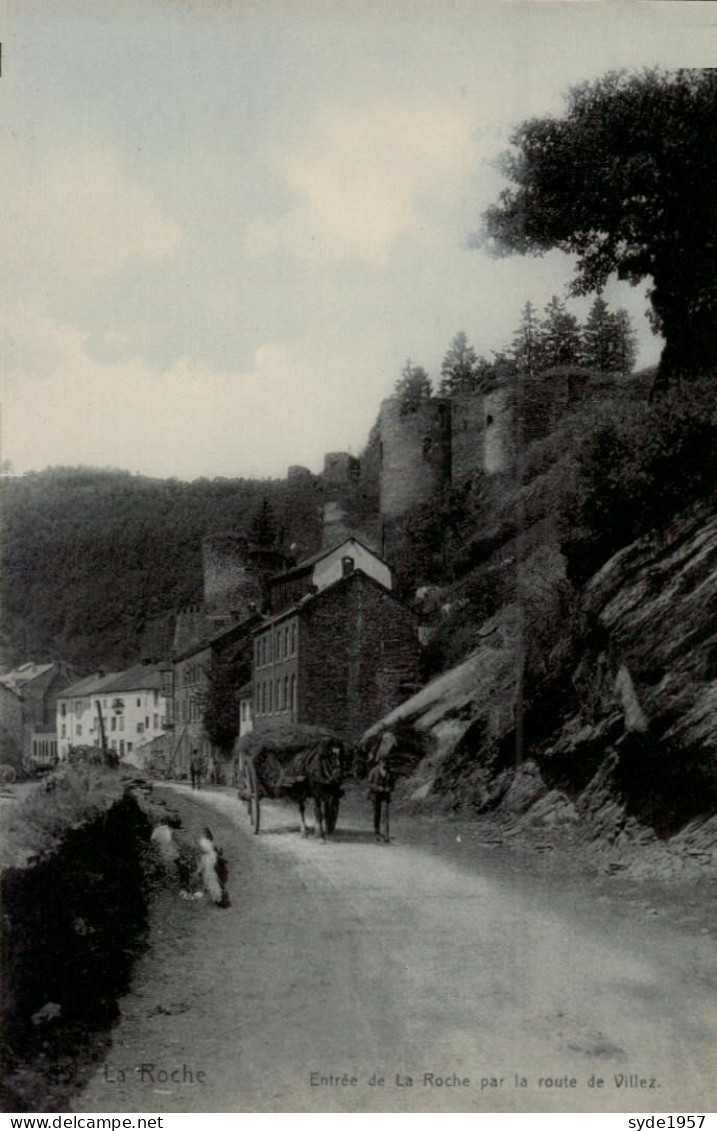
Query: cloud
pixel 61 405
pixel 71 217
pixel 366 177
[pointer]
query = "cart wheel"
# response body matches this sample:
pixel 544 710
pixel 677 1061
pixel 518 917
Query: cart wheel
pixel 332 814
pixel 252 788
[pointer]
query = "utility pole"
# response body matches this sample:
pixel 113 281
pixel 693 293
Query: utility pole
pixel 103 739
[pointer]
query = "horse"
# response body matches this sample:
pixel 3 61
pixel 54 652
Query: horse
pixel 316 773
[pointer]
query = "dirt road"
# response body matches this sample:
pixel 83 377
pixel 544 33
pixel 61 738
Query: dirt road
pixel 462 988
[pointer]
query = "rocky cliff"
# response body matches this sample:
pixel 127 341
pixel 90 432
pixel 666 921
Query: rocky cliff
pixel 631 750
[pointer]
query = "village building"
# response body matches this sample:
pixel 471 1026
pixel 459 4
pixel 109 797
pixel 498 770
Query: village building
pixel 246 715
pixel 343 654
pixel 187 686
pixel 324 568
pixel 132 705
pixel 28 707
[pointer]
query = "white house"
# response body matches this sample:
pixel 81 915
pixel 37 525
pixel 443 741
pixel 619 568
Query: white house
pixel 131 704
pixel 324 569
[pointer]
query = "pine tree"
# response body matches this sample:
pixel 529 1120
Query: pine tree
pixel 461 368
pixel 608 340
pixel 262 529
pixel 596 337
pixel 624 346
pixel 525 349
pixel 413 388
pixel 558 336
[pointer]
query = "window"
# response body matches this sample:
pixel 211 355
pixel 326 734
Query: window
pixel 63 710
pixel 269 646
pixel 293 638
pixel 140 728
pixel 287 704
pixel 286 641
pixel 113 723
pixel 146 722
pixel 156 700
pixel 78 705
pixel 139 702
pixel 121 748
pixel 156 722
pixel 293 694
pixel 279 704
pixel 121 722
pixel 63 731
pixel 79 730
pixel 129 747
pixel 257 659
pixel 263 698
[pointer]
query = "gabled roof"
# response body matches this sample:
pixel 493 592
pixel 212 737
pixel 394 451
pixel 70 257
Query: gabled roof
pixel 307 563
pixel 142 677
pixel 238 629
pixel 327 592
pixel 26 673
pixel 90 685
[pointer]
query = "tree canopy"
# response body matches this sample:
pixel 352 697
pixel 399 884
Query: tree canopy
pixel 625 181
pixel 461 368
pixel 412 388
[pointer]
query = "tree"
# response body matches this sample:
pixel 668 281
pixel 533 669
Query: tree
pixel 262 529
pixel 608 340
pixel 624 348
pixel 525 349
pixel 596 337
pixel 558 337
pixel 413 388
pixel 462 368
pixel 625 182
pixel 221 704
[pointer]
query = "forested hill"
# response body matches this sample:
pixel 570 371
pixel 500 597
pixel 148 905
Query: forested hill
pixel 89 556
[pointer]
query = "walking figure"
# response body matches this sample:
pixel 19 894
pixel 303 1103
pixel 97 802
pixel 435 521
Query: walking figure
pixel 380 786
pixel 195 769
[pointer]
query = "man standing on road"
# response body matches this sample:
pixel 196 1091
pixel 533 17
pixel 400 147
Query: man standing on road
pixel 380 786
pixel 195 769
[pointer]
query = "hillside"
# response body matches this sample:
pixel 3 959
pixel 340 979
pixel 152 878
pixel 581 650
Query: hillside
pixel 90 556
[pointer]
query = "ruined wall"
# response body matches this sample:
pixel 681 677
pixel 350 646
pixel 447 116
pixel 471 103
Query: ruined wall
pixel 415 455
pixel 230 582
pixel 498 431
pixel 467 427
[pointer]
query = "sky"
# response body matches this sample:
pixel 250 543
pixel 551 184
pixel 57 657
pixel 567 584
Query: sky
pixel 226 225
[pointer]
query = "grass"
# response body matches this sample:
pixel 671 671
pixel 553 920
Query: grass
pixel 70 797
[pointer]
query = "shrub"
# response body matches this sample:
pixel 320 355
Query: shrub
pixel 635 470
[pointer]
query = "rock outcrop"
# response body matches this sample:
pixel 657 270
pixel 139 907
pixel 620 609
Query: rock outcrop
pixel 633 756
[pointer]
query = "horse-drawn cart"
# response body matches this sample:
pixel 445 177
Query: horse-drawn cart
pixel 292 762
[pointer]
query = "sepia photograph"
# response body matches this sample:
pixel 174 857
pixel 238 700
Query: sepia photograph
pixel 358 557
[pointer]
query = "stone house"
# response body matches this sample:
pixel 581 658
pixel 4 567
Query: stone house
pixel 340 657
pixel 323 569
pixel 187 684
